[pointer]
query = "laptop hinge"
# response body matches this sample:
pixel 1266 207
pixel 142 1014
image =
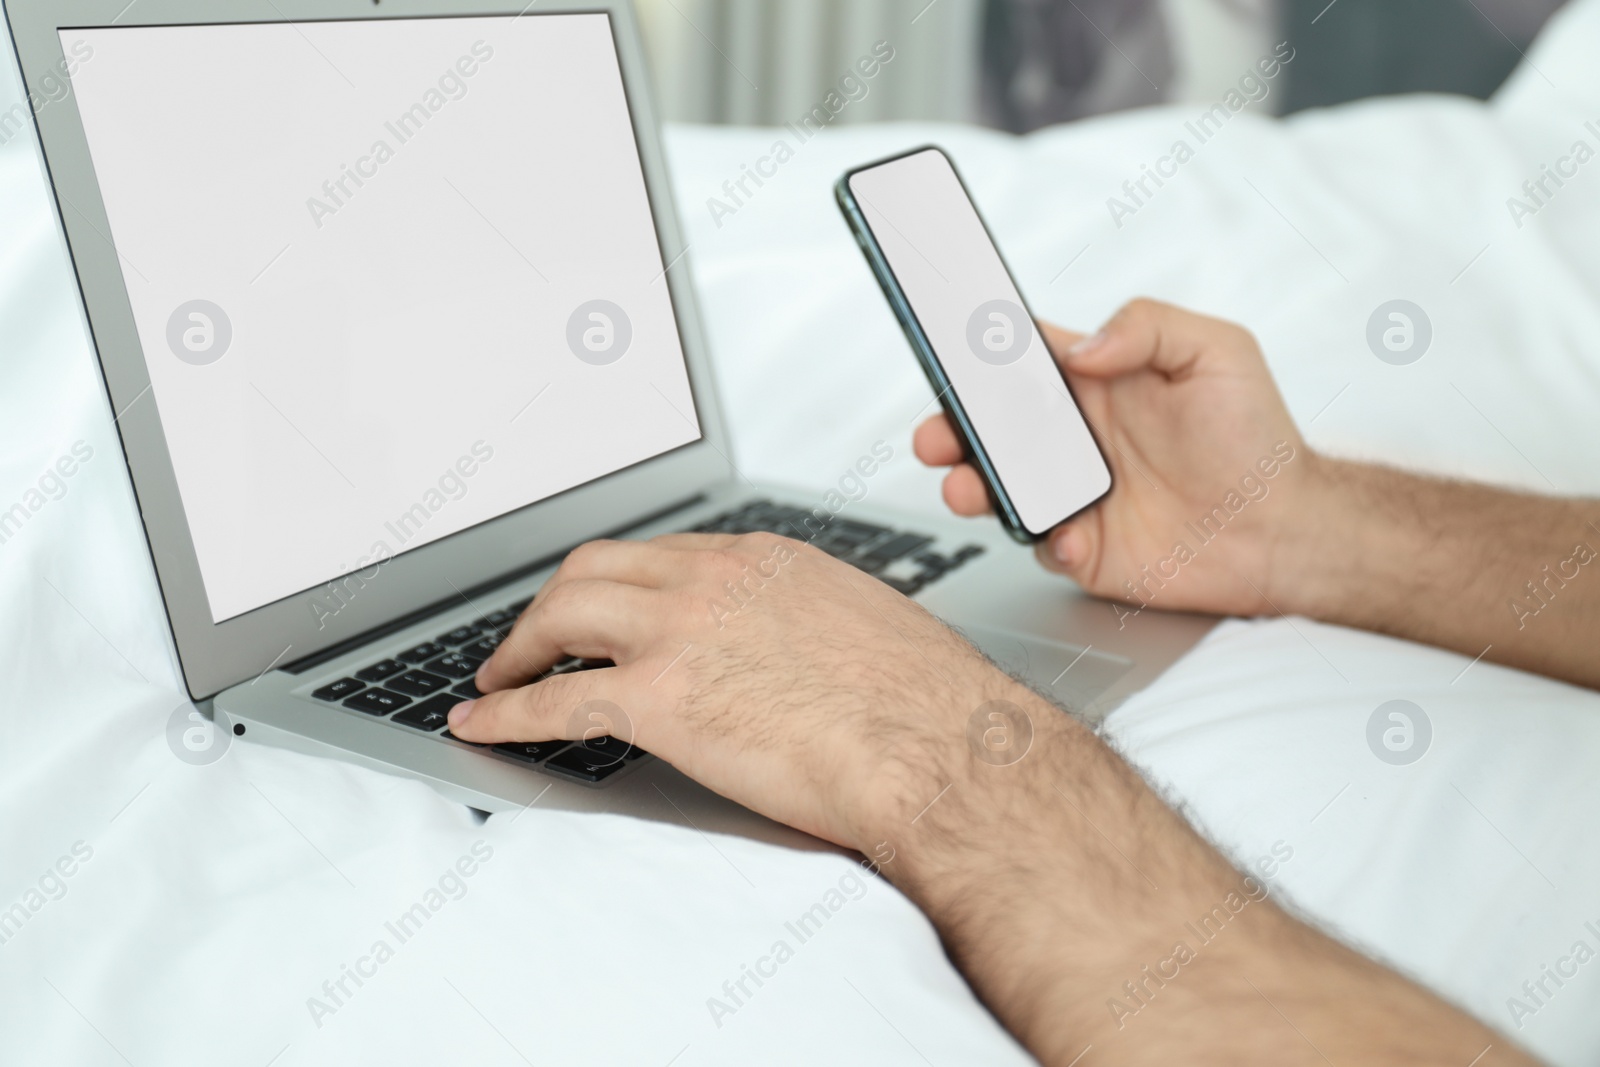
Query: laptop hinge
pixel 366 637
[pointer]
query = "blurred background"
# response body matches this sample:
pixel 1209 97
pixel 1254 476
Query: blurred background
pixel 1021 64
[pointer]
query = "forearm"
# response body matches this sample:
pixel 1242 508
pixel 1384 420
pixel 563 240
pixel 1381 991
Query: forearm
pixel 1085 912
pixel 1510 576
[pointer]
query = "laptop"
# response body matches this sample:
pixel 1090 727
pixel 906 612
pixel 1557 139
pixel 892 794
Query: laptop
pixel 393 310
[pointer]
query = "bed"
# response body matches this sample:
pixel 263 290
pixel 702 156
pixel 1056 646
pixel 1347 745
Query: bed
pixel 218 913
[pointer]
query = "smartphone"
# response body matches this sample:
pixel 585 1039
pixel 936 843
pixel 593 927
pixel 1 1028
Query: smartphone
pixel 969 327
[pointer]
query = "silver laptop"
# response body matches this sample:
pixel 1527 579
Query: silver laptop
pixel 393 310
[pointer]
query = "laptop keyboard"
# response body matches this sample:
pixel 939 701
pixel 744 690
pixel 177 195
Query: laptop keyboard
pixel 416 688
pixel 903 561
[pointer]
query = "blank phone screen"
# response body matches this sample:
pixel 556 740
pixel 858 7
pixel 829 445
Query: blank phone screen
pixel 989 348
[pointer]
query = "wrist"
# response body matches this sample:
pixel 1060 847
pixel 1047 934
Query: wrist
pixel 985 793
pixel 1358 550
pixel 1320 546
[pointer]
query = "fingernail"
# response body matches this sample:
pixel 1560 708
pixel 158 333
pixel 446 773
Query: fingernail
pixel 1063 550
pixel 1088 344
pixel 459 713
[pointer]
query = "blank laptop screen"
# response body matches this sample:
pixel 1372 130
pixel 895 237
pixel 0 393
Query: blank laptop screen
pixel 392 278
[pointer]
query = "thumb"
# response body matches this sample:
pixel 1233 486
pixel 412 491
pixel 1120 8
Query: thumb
pixel 1073 549
pixel 1150 335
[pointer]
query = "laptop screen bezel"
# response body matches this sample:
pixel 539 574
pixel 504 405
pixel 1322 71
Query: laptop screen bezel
pixel 215 656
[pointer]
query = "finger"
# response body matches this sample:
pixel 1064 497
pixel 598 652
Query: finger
pixel 1073 548
pixel 588 618
pixel 650 564
pixel 1059 340
pixel 638 563
pixel 1150 335
pixel 935 443
pixel 964 492
pixel 695 542
pixel 543 711
pixel 1088 392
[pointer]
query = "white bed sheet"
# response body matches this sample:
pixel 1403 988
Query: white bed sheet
pixel 217 900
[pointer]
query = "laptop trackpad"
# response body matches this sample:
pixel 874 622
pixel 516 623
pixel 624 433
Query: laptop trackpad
pixel 1072 676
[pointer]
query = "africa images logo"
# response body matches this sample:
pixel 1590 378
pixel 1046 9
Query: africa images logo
pixel 196 739
pixel 199 332
pixel 999 332
pixel 1399 732
pixel 1399 332
pixel 599 332
pixel 999 733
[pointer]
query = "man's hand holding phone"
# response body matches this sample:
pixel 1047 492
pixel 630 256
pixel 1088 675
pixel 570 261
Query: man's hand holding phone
pixel 1210 473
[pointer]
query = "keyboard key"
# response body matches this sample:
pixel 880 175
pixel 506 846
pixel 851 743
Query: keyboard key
pixel 569 665
pixel 377 702
pixel 467 690
pixel 482 648
pixel 837 551
pixel 423 653
pixel 798 523
pixel 380 670
pixel 605 747
pixel 497 622
pixel 455 665
pixel 897 547
pixel 459 636
pixel 965 553
pixel 761 510
pixel 418 683
pixel 863 531
pixel 336 691
pixel 530 751
pixel 840 545
pixel 843 535
pixel 844 531
pixel 429 715
pixel 462 740
pixel 934 567
pixel 575 762
pixel 788 513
